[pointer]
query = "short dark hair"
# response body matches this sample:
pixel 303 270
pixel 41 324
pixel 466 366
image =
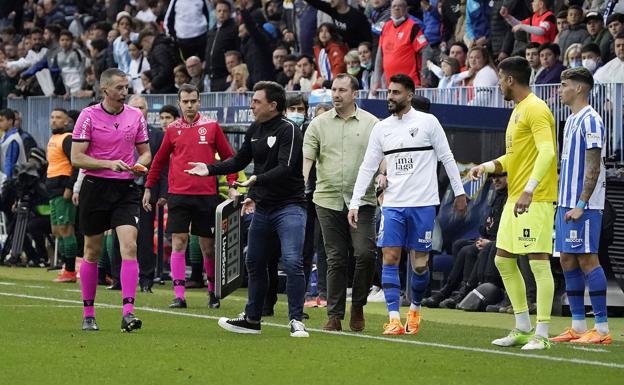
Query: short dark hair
pixel 366 44
pixel 591 47
pixel 576 7
pixel 532 45
pixel 355 84
pixel 579 74
pixel 403 80
pixel 518 68
pixel 562 14
pixel 619 36
pixel 53 29
pixel 298 98
pixel 36 30
pixel 60 109
pixel 615 17
pixel 291 58
pixel 66 33
pixel 551 46
pixel 274 93
pixel 460 44
pixel 188 88
pixel 224 2
pixel 145 32
pixel 8 114
pixel 169 109
pixel 308 58
pixel 99 44
pixel 234 53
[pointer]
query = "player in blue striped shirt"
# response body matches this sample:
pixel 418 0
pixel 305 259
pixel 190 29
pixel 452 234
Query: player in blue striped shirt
pixel 579 212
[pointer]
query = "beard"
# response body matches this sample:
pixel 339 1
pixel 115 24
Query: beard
pixel 394 107
pixel 507 95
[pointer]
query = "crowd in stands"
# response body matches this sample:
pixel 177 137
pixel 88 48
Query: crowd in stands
pixel 60 47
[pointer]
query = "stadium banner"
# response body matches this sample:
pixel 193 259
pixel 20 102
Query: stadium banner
pixel 228 249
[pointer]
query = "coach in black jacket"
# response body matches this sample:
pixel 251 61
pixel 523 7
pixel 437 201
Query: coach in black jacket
pixel 222 38
pixel 277 200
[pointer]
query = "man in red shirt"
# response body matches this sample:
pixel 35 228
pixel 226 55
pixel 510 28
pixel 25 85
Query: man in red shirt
pixel 400 46
pixel 542 26
pixel 191 202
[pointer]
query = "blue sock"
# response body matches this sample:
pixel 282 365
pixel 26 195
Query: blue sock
pixel 391 286
pixel 597 283
pixel 575 289
pixel 419 284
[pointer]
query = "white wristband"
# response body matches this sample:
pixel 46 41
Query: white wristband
pixel 489 167
pixel 531 185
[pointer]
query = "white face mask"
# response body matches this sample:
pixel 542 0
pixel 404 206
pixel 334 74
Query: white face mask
pixel 575 63
pixel 398 20
pixel 296 117
pixel 590 64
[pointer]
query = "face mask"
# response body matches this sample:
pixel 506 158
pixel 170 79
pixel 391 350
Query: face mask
pixel 575 63
pixel 353 70
pixel 398 20
pixel 296 117
pixel 590 64
pixel 367 66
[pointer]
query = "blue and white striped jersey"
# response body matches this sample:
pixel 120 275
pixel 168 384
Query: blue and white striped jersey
pixel 583 131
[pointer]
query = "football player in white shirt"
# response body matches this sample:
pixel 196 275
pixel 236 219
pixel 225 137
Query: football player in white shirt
pixel 411 143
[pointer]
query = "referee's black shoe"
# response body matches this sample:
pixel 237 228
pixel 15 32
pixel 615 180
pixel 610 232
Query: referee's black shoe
pixel 89 325
pixel 213 301
pixel 130 322
pixel 178 303
pixel 240 325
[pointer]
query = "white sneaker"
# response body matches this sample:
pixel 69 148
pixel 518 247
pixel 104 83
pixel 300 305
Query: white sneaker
pixel 377 297
pixel 297 329
pixel 537 343
pixel 514 338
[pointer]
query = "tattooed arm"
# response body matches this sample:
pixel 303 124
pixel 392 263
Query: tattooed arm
pixel 592 172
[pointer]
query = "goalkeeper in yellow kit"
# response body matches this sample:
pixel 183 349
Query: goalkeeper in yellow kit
pixel 526 225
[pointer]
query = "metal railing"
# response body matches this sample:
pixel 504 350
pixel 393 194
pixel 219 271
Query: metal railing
pixel 607 99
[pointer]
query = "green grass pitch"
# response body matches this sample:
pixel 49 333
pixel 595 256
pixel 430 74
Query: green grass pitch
pixel 41 343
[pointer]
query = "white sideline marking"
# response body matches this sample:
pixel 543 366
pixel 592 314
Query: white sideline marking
pixel 42 305
pixel 595 350
pixel 364 336
pixel 7 283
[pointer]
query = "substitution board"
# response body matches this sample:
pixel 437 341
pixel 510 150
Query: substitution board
pixel 228 249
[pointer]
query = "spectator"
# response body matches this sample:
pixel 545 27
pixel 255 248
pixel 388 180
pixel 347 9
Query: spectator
pixel 365 51
pixel 36 53
pixel 354 68
pixel 145 12
pixel 88 89
pixel 195 69
pixel 160 52
pixel 598 34
pixel 232 59
pixel 501 36
pixel 613 71
pixel 576 33
pixel 12 150
pixel 459 51
pixel 542 26
pixel 180 76
pixel 400 47
pixel 167 115
pixel 552 67
pixel 146 79
pixel 329 51
pixel 70 62
pixel 306 77
pixel 378 13
pixel 279 55
pixel 289 67
pixel 53 14
pixel 572 57
pixel 256 45
pixel 590 56
pixel 615 23
pixel 8 35
pixel 223 37
pixel 562 24
pixel 481 70
pixel 240 76
pixel 448 72
pixel 186 21
pixel 531 53
pixel 10 52
pixel 120 44
pixel 451 11
pixel 477 23
pixel 352 23
pixel 98 56
pixel 138 64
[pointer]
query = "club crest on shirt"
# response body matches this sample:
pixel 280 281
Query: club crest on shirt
pixel 202 131
pixel 179 132
pixel 271 141
pixel 516 118
pixel 413 131
pixel 400 35
pixel 128 136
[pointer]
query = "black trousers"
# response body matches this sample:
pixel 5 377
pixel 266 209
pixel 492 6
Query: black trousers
pixel 195 46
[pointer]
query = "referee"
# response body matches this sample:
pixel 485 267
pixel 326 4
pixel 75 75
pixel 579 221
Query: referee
pixel 105 139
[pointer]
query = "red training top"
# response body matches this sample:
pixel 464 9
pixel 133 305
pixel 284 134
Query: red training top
pixel 198 141
pixel 546 21
pixel 400 47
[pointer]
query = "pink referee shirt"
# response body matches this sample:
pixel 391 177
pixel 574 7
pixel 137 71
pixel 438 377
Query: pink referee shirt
pixel 111 136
